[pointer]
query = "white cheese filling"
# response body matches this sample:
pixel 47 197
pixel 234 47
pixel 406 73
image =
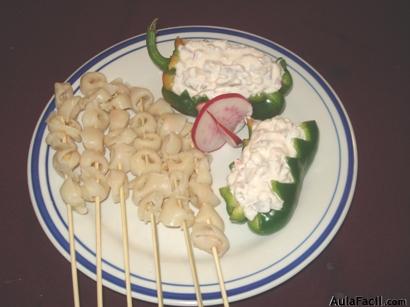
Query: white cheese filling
pixel 217 67
pixel 264 160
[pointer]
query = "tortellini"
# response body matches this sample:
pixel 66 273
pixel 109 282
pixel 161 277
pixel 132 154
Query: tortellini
pixel 173 214
pixel 120 156
pixel 71 128
pixel 150 204
pixel 92 81
pixel 151 183
pixel 141 99
pixel 65 161
pixel 95 117
pixel 206 236
pixel 148 141
pixel 62 92
pixel 172 144
pixel 118 182
pixel 59 140
pixel 143 122
pixel 71 194
pixel 118 119
pixel 93 139
pixel 70 108
pixel 145 161
pixel 202 193
pixel 120 136
pixel 94 159
pixel 171 122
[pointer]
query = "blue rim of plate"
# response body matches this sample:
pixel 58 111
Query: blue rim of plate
pixel 342 206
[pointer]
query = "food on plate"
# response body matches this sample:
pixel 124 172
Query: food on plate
pixel 116 138
pixel 206 236
pixel 199 70
pixel 265 182
pixel 218 120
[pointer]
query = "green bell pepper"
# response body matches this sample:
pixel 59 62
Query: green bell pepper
pixel 265 105
pixel 274 220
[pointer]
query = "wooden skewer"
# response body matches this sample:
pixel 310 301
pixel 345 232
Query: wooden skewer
pixel 125 246
pixel 73 260
pixel 156 259
pixel 191 258
pixel 219 272
pixel 76 295
pixel 98 248
pixel 98 251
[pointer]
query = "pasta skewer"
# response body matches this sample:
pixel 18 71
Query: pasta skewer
pixel 125 243
pixel 73 260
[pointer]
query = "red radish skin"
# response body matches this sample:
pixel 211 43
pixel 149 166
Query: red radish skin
pixel 217 119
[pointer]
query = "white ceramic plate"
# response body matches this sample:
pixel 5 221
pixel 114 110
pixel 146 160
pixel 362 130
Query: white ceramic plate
pixel 253 264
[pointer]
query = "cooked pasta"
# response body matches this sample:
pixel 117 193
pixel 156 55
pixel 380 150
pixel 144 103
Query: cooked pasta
pixel 141 99
pixel 121 101
pixel 145 161
pixel 206 236
pixel 159 107
pixel 151 183
pixel 118 119
pixel 120 154
pixel 65 161
pixel 70 108
pixel 208 214
pixel 172 144
pixel 92 81
pixel 171 122
pixel 62 92
pixel 148 141
pixel 59 141
pixel 94 159
pixel 118 179
pixel 150 204
pixel 93 139
pixel 71 194
pixel 71 128
pixel 95 117
pixel 202 193
pixel 120 136
pixel 173 214
pixel 143 122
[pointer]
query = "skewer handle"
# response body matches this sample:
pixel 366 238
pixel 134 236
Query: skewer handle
pixel 157 260
pixel 76 295
pixel 98 251
pixel 192 264
pixel 220 276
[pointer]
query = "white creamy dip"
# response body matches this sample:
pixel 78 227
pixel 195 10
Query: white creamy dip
pixel 262 161
pixel 216 67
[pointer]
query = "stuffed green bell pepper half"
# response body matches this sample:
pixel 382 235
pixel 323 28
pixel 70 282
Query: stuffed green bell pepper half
pixel 265 182
pixel 199 70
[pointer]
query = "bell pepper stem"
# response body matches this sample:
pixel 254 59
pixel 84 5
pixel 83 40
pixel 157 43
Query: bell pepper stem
pixel 151 40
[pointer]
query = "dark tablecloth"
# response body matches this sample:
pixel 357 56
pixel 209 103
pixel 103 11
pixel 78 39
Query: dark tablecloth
pixel 360 47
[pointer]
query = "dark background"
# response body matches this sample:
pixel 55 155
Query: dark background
pixel 360 47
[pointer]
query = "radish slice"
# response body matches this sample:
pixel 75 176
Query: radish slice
pixel 217 121
pixel 230 137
